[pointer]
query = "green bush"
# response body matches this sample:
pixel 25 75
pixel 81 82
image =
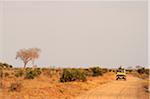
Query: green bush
pixel 19 73
pixel 96 71
pixel 129 70
pixel 88 72
pixel 1 65
pixel 72 75
pixel 32 73
pixel 141 70
pixel 37 71
pixel 5 65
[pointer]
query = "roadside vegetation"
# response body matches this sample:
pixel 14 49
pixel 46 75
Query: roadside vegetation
pixel 51 82
pixel 16 82
pixel 142 73
pixel 32 81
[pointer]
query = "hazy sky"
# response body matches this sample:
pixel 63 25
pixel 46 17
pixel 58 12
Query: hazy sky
pixel 80 33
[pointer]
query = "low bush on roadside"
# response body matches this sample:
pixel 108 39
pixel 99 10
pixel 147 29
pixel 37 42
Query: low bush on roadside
pixel 16 86
pixel 72 75
pixel 88 72
pixel 32 73
pixel 129 70
pixel 96 71
pixel 110 70
pixel 141 70
pixel 147 71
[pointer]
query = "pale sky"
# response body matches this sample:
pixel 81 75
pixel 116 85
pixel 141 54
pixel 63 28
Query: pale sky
pixel 80 33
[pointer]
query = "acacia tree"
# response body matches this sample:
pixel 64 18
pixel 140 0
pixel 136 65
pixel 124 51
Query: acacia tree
pixel 27 55
pixel 34 54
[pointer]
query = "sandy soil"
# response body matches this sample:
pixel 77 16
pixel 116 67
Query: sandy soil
pixel 132 88
pixel 102 87
pixel 44 87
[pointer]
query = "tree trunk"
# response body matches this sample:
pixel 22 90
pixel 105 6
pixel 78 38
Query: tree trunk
pixel 25 65
pixel 32 63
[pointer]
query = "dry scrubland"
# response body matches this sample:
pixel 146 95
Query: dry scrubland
pixel 55 83
pixel 143 74
pixel 50 83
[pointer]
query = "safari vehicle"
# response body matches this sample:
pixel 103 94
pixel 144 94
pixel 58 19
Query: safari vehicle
pixel 121 73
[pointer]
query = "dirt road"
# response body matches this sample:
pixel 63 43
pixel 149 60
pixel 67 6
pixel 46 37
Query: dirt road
pixel 129 89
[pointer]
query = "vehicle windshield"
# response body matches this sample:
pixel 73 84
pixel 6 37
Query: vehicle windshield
pixel 120 71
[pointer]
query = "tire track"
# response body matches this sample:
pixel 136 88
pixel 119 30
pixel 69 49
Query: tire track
pixel 120 93
pixel 117 90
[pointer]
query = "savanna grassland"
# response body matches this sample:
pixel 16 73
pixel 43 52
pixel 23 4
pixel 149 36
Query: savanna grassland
pixel 71 83
pixel 50 83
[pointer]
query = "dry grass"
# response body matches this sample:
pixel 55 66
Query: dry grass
pixel 49 87
pixel 145 83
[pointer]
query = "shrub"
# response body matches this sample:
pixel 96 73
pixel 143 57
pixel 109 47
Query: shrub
pixel 129 70
pixel 111 70
pixel 88 72
pixel 16 86
pixel 19 73
pixel 114 71
pixel 32 73
pixel 10 66
pixel 5 65
pixel 37 71
pixel 147 71
pixel 1 77
pixel 6 74
pixel 1 73
pixel 72 75
pixel 96 71
pixel 141 70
